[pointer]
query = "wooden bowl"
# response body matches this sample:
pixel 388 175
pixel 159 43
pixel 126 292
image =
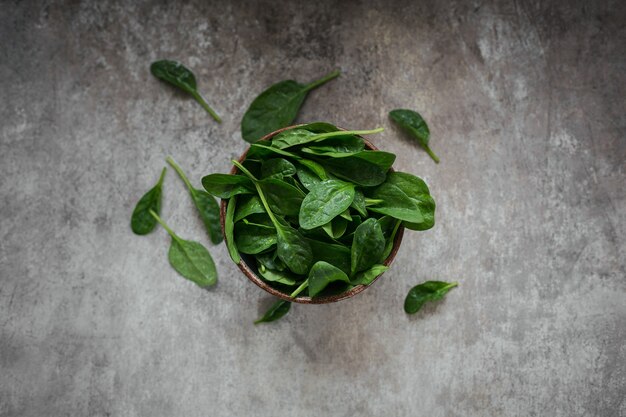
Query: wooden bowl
pixel 250 270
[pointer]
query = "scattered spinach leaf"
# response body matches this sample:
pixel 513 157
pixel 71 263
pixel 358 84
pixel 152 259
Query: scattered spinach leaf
pixel 190 259
pixel 415 125
pixel 277 107
pixel 207 207
pixel 276 311
pixel 176 74
pixel 141 221
pixel 427 291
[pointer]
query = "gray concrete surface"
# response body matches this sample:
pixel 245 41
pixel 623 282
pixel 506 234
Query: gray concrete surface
pixel 526 105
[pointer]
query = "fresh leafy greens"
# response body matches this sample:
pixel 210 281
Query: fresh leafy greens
pixel 207 207
pixel 142 222
pixel 277 107
pixel 275 312
pixel 414 124
pixel 321 211
pixel 190 259
pixel 177 75
pixel 427 291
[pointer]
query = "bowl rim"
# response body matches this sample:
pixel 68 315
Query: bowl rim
pixel 252 276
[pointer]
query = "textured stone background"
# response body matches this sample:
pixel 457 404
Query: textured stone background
pixel 526 105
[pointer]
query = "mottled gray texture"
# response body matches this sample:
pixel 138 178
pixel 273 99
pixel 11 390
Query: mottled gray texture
pixel 526 106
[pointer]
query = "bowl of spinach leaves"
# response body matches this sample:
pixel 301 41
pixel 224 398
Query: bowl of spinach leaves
pixel 315 214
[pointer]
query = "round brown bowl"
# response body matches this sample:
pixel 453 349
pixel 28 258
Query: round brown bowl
pixel 250 270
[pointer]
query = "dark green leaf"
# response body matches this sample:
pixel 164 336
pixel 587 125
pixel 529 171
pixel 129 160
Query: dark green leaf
pixel 177 75
pixel 271 261
pixel 284 199
pixel 405 197
pixel 277 107
pixel 366 168
pixel 207 207
pixel 415 125
pixel 428 291
pixel 141 221
pixel 247 205
pixel 324 202
pixel 338 145
pixel 359 203
pixel 252 238
pixel 307 177
pixel 336 227
pixel 293 249
pixel 277 168
pixel 367 247
pixel 366 277
pixel 322 274
pixel 190 259
pixel 282 277
pixel 335 254
pixel 225 185
pixel 229 226
pixel 276 311
pixel 292 137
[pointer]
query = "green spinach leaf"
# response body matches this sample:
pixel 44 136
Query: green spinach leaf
pixel 322 274
pixel 277 168
pixel 366 277
pixel 254 238
pixel 176 74
pixel 428 291
pixel 325 201
pixel 366 168
pixel 277 107
pixel 229 226
pixel 225 185
pixel 141 221
pixel 283 198
pixel 248 205
pixel 276 311
pixel 415 125
pixel 207 207
pixel 367 247
pixel 190 259
pixel 291 247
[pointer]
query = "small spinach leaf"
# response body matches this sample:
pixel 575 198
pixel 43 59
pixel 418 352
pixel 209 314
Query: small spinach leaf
pixel 335 254
pixel 207 207
pixel 366 277
pixel 277 107
pixel 336 227
pixel 283 198
pixel 428 291
pixel 276 311
pixel 367 247
pixel 248 204
pixel 277 168
pixel 225 185
pixel 322 274
pixel 365 168
pixel 229 226
pixel 253 238
pixel 325 201
pixel 415 125
pixel 282 277
pixel 190 259
pixel 359 203
pixel 176 74
pixel 141 221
